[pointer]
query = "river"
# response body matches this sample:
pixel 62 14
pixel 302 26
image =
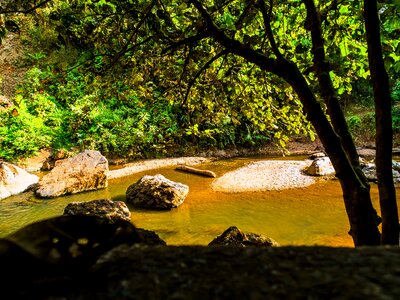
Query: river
pixel 302 216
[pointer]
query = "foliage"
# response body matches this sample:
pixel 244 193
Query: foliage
pixel 22 132
pixel 139 78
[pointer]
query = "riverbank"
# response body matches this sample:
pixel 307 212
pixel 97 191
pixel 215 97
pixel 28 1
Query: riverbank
pixel 228 273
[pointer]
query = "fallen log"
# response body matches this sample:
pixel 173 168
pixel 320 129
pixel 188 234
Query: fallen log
pixel 196 171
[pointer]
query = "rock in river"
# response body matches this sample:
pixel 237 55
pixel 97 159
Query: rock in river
pixel 104 208
pixel 84 172
pixel 113 212
pixel 321 166
pixel 14 180
pixel 156 192
pixel 233 236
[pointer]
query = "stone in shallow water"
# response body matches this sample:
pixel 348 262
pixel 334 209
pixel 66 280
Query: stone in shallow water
pixel 85 172
pixel 14 180
pixel 156 192
pixel 320 167
pixel 233 236
pixel 104 208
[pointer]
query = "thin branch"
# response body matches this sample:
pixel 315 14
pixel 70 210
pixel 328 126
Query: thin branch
pixel 135 30
pixel 267 24
pixel 234 46
pixel 222 6
pixel 188 51
pixel 205 67
pixel 187 41
pixel 328 92
pixel 27 11
pixel 123 51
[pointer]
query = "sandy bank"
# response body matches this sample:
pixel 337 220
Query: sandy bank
pixel 265 176
pixel 145 165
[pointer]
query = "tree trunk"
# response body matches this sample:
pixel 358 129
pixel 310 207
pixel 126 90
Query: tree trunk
pixel 361 214
pixel 384 132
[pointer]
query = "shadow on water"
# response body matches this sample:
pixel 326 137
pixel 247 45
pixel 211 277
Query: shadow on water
pixel 301 216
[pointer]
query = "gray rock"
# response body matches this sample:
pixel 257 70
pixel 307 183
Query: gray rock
pixel 14 180
pixel 113 212
pixel 85 172
pixel 104 208
pixel 233 236
pixel 156 192
pixel 320 166
pixel 366 152
pixel 369 170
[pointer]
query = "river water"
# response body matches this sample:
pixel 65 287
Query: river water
pixel 300 216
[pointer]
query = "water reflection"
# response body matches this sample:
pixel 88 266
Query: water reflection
pixel 306 216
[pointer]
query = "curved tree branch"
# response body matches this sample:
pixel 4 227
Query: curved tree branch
pixel 189 40
pixel 356 195
pixel 267 24
pixel 205 67
pixel 234 46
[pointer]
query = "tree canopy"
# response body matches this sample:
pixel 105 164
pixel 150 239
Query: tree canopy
pixel 269 68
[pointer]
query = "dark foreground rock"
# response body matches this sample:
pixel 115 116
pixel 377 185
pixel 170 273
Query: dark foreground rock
pixel 131 272
pixel 156 192
pixel 233 236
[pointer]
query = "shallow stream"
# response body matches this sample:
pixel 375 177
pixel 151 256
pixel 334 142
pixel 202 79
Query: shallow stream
pixel 300 216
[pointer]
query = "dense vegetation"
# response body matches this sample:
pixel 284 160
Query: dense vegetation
pixel 116 76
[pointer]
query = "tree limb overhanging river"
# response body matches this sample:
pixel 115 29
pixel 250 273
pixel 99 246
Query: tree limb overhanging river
pixel 299 216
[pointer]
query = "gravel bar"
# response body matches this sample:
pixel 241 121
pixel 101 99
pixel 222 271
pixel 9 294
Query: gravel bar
pixel 265 176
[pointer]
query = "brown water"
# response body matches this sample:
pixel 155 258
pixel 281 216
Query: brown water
pixel 305 216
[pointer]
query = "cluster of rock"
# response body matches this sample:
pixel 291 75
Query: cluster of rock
pixel 88 171
pixel 103 221
pixel 322 166
pixel 369 169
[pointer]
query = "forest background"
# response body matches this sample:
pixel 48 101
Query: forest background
pixel 97 77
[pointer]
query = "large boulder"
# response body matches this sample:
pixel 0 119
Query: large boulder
pixel 103 208
pixel 320 166
pixel 84 172
pixel 156 192
pixel 233 236
pixel 14 180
